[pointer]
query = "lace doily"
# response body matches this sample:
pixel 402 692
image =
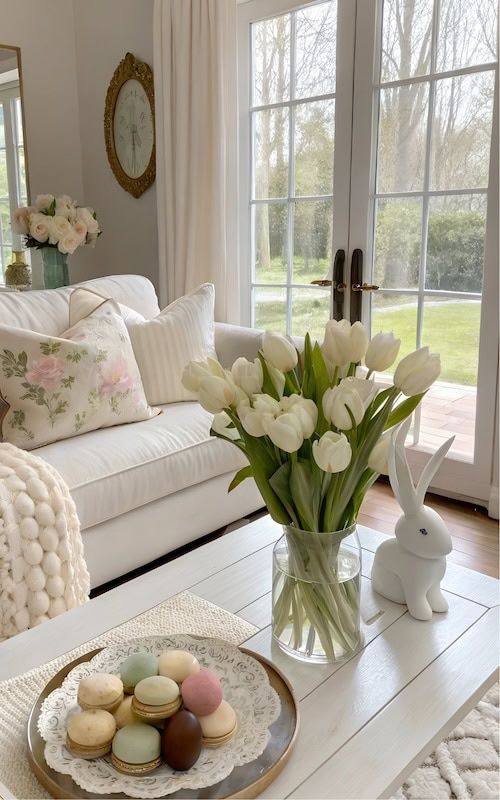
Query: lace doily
pixel 246 688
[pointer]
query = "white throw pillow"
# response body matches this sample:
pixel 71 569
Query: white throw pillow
pixel 57 387
pixel 182 332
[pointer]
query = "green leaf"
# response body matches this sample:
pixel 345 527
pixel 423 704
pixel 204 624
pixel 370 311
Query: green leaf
pixel 308 372
pixel 403 410
pixel 264 465
pixel 321 384
pixel 306 494
pixel 280 482
pixel 241 475
pixel 268 386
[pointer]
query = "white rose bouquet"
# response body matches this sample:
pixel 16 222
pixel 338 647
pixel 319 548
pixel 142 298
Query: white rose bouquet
pixel 56 222
pixel 316 436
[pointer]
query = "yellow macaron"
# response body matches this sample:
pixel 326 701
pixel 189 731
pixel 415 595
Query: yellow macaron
pixel 89 734
pixel 101 690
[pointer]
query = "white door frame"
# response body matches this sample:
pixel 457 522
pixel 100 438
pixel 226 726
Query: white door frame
pixel 253 11
pixel 456 478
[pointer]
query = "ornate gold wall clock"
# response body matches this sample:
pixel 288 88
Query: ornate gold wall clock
pixel 129 125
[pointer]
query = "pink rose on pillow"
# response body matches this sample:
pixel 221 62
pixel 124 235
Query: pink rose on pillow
pixel 47 371
pixel 114 377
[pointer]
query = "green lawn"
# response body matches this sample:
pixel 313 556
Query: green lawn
pixel 449 328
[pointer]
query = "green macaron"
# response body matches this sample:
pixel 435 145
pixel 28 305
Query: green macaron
pixel 136 749
pixel 137 667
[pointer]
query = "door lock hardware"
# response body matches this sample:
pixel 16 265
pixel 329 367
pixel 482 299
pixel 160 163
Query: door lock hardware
pixel 364 287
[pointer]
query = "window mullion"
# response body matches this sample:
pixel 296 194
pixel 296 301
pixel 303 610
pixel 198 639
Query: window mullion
pixel 291 176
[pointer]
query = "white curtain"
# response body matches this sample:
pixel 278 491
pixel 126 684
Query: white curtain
pixel 195 71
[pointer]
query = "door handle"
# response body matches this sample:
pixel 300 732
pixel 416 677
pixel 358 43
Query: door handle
pixel 364 287
pixel 324 282
pixel 337 284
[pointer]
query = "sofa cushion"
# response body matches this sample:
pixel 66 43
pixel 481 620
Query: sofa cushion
pixel 47 310
pixel 57 387
pixel 114 470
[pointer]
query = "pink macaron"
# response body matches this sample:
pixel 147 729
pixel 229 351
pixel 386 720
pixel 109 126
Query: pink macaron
pixel 202 692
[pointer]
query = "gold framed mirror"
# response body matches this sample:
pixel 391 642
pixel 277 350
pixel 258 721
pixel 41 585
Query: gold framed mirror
pixel 14 183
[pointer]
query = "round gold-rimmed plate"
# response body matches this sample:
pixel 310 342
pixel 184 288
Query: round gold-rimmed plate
pixel 245 781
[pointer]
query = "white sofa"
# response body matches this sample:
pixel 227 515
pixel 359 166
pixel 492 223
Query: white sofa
pixel 146 488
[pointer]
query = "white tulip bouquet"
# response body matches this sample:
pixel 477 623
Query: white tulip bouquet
pixel 316 434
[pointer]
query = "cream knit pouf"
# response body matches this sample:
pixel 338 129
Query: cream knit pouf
pixel 42 566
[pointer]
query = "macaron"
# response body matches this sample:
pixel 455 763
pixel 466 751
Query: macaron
pixel 202 692
pixel 156 698
pixel 219 727
pixel 89 733
pixel 136 749
pixel 101 690
pixel 178 665
pixel 124 714
pixel 137 667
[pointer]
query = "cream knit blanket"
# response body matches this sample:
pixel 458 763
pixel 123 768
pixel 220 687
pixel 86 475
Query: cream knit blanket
pixel 42 566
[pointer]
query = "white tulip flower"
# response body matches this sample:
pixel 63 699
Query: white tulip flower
pixel 285 431
pixel 353 393
pixel 277 378
pixel 337 343
pixel 344 343
pixel 221 424
pixel 306 410
pixel 248 375
pixel 332 453
pixel 382 352
pixel 215 394
pixel 251 420
pixel 195 371
pixel 279 352
pixel 358 338
pixel 417 371
pixel 265 404
pixel 377 460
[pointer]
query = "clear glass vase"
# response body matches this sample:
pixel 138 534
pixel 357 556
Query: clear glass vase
pixel 55 268
pixel 316 594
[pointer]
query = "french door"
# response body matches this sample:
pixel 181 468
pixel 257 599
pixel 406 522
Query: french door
pixel 367 191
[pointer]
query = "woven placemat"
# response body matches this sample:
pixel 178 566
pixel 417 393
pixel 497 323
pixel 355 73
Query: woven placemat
pixel 184 613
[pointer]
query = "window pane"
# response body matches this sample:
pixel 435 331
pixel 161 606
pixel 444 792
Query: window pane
pixel 5 222
pixel 4 187
pixel 397 313
pixel 451 328
pixel 310 312
pixel 461 131
pixel 271 153
pixel 312 240
pixel 271 60
pixel 19 120
pixel 455 243
pixel 402 135
pixel 271 243
pixel 406 39
pixel 315 53
pixel 22 170
pixel 314 136
pixel 2 127
pixel 467 33
pixel 270 309
pixel 398 230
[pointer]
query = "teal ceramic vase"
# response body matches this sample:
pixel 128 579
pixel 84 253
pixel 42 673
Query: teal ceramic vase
pixel 55 268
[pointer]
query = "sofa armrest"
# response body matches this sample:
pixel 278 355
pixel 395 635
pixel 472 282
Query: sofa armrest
pixel 233 341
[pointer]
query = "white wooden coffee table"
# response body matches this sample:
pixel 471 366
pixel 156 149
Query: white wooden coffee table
pixel 365 725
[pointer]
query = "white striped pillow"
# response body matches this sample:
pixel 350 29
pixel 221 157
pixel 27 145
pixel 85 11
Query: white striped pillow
pixel 163 346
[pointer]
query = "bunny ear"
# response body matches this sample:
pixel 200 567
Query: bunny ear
pixel 431 468
pixel 399 471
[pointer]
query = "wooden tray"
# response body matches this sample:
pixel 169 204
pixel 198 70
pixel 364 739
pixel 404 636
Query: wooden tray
pixel 246 781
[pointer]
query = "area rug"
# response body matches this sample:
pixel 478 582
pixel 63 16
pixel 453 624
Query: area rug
pixel 466 764
pixel 184 613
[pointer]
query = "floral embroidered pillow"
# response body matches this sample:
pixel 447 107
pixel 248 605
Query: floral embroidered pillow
pixel 57 387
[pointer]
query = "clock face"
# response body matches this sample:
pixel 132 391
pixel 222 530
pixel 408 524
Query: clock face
pixel 133 128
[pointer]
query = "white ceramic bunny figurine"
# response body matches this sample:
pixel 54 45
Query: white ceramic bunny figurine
pixel 409 568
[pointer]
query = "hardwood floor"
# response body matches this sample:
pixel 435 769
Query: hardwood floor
pixel 475 535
